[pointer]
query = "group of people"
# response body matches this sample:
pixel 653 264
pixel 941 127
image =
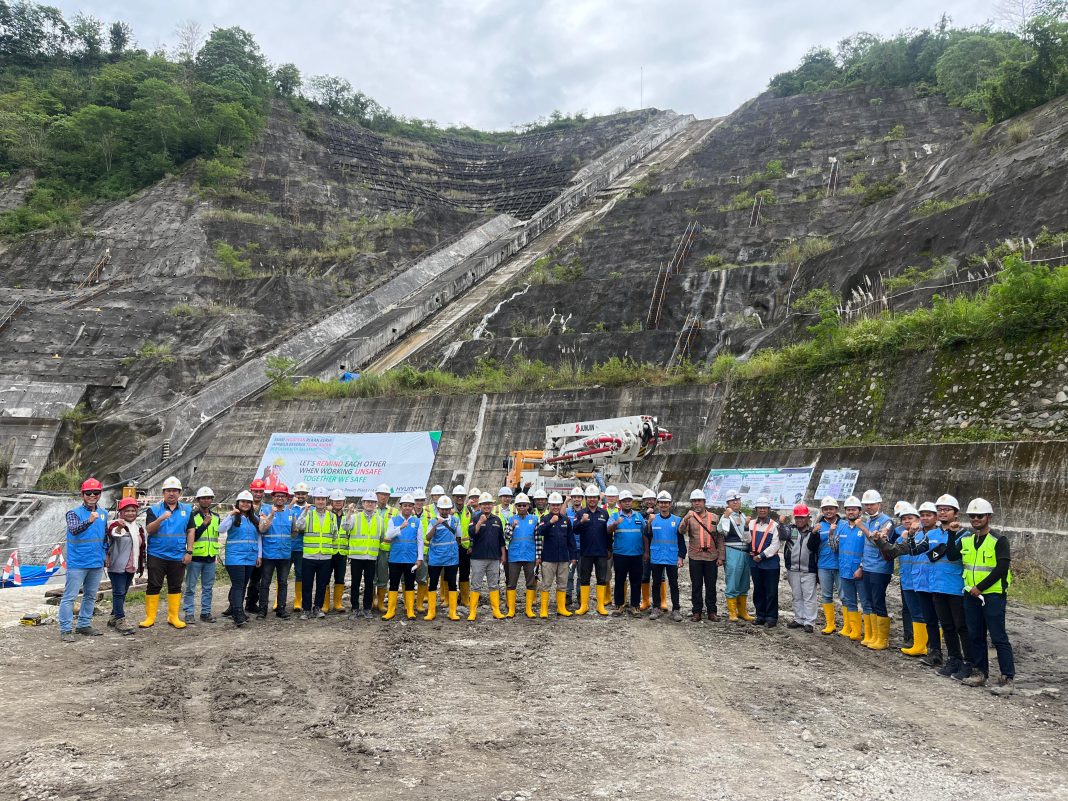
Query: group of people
pixel 449 549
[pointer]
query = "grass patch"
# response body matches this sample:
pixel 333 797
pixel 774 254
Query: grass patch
pixel 936 206
pixel 1018 132
pixel 151 352
pixel 912 276
pixel 544 271
pixel 1032 587
pixel 745 200
pixel 800 250
pixel 60 479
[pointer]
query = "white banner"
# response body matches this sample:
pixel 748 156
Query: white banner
pixel 355 463
pixel 783 486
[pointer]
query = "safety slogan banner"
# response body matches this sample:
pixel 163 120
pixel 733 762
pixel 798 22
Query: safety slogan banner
pixel 783 486
pixel 355 463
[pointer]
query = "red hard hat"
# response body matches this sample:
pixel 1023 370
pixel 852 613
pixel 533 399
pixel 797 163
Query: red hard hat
pixel 91 484
pixel 800 510
pixel 127 502
pixel 257 484
pixel 281 489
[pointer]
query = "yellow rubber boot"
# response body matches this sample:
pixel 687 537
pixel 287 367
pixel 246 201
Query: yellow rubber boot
pixel 444 589
pixel 326 600
pixel 465 590
pixel 742 605
pixel 297 599
pixel 511 603
pixel 391 606
pixel 421 597
pixel 919 641
pixel 828 613
pixel 151 608
pixel 432 609
pixel 561 604
pixel 277 592
pixel 856 633
pixel 646 596
pixel 409 603
pixel 472 604
pixel 380 599
pixel 868 623
pixel 664 595
pixel 339 592
pixel 847 623
pixel 495 604
pixel 544 604
pixel 602 599
pixel 584 601
pixel 174 610
pixel 530 602
pixel 881 640
pixel 732 609
pixel 452 606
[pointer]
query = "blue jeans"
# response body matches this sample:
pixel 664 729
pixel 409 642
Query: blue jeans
pixel 738 572
pixel 873 593
pixel 205 572
pixel 984 619
pixel 86 580
pixel 912 601
pixel 828 584
pixel 120 585
pixel 847 592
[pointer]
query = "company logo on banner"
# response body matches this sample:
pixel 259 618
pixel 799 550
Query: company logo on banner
pixel 355 463
pixel 783 486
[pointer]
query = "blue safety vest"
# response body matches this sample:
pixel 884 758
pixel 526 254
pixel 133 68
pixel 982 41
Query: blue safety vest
pixel 828 556
pixel 444 549
pixel 86 551
pixel 521 543
pixel 850 549
pixel 278 540
pixel 406 549
pixel 169 540
pixel 904 561
pixel 242 543
pixel 874 562
pixel 664 545
pixel 627 538
pixel 947 578
pixel 296 538
pixel 921 567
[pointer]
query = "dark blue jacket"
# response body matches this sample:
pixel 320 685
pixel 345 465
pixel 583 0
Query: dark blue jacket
pixel 489 540
pixel 557 539
pixel 593 534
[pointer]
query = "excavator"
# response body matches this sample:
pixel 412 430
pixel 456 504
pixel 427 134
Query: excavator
pixel 574 451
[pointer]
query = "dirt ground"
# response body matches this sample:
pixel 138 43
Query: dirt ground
pixel 577 708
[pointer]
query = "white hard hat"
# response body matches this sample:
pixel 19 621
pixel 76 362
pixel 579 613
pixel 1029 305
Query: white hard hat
pixel 383 488
pixel 437 489
pixel 733 495
pixel 419 495
pixel 556 497
pixel 459 489
pixel 899 506
pixel 852 500
pixel 444 502
pixel 927 506
pixel 301 487
pixel 648 495
pixel 337 495
pixel 485 497
pixel 244 495
pixel 172 482
pixel 907 509
pixel 592 491
pixel 947 500
pixel 612 489
pixel 663 496
pixel 871 496
pixel 369 496
pixel 829 501
pixel 576 492
pixel 539 493
pixel 204 492
pixel 474 491
pixel 980 506
pixel 697 495
pixel 626 495
pixel 407 498
pixel 762 501
pixel 505 491
pixel 320 492
pixel 522 498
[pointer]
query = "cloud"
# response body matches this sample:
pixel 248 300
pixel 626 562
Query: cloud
pixel 495 63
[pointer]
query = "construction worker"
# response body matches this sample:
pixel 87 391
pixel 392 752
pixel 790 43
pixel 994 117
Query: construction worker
pixel 540 499
pixel 648 508
pixel 486 534
pixel 877 571
pixel 86 551
pixel 258 488
pixel 339 560
pixel 627 529
pixel 296 556
pixel 170 549
pixel 851 568
pixel 947 588
pixel 922 571
pixel 557 554
pixel 706 546
pixel 827 564
pixel 205 527
pixel 405 533
pixel 765 535
pixel 665 551
pixel 365 538
pixel 505 507
pixel 435 495
pixel 735 530
pixel 522 553
pixel 426 516
pixel 319 528
pixel 385 513
pixel 443 554
pixel 611 505
pixel 594 551
pixel 126 543
pixel 987 576
pixel 243 551
pixel 574 510
pixel 801 552
pixel 902 547
pixel 897 533
pixel 276 528
pixel 468 512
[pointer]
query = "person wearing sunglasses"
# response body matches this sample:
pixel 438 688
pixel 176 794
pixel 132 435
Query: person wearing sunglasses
pixel 86 549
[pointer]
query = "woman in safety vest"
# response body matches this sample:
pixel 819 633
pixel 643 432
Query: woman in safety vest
pixel 243 551
pixel 443 554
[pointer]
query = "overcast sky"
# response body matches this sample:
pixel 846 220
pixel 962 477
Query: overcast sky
pixel 496 63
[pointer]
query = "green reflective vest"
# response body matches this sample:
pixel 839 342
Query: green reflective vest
pixel 979 562
pixel 384 516
pixel 341 536
pixel 319 532
pixel 366 537
pixel 207 544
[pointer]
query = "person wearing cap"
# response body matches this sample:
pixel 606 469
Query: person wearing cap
pixel 365 537
pixel 486 534
pixel 665 551
pixel 385 513
pixel 947 588
pixel 627 529
pixel 577 502
pixel 406 535
pixel 335 595
pixel 594 551
pixel 734 527
pixel 765 537
pixel 204 525
pixel 258 488
pixel 706 549
pixel 467 513
pixel 827 562
pixel 521 547
pixel 443 553
pixel 901 546
pixel 170 549
pixel 126 542
pixel 801 552
pixel 851 568
pixel 300 507
pixel 648 509
pixel 319 528
pixel 878 571
pixel 984 553
pixel 243 551
pixel 505 507
pixel 557 554
pixel 276 528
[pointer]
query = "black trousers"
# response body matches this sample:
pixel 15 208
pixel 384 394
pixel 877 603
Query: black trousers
pixel 399 571
pixel 930 617
pixel 252 599
pixel 766 593
pixel 435 572
pixel 363 570
pixel 240 575
pixel 673 583
pixel 906 619
pixel 268 567
pixel 465 566
pixel 171 569
pixel 950 611
pixel 703 575
pixel 316 577
pixel 588 565
pixel 337 562
pixel 628 568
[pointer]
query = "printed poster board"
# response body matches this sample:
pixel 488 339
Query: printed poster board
pixel 838 483
pixel 783 486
